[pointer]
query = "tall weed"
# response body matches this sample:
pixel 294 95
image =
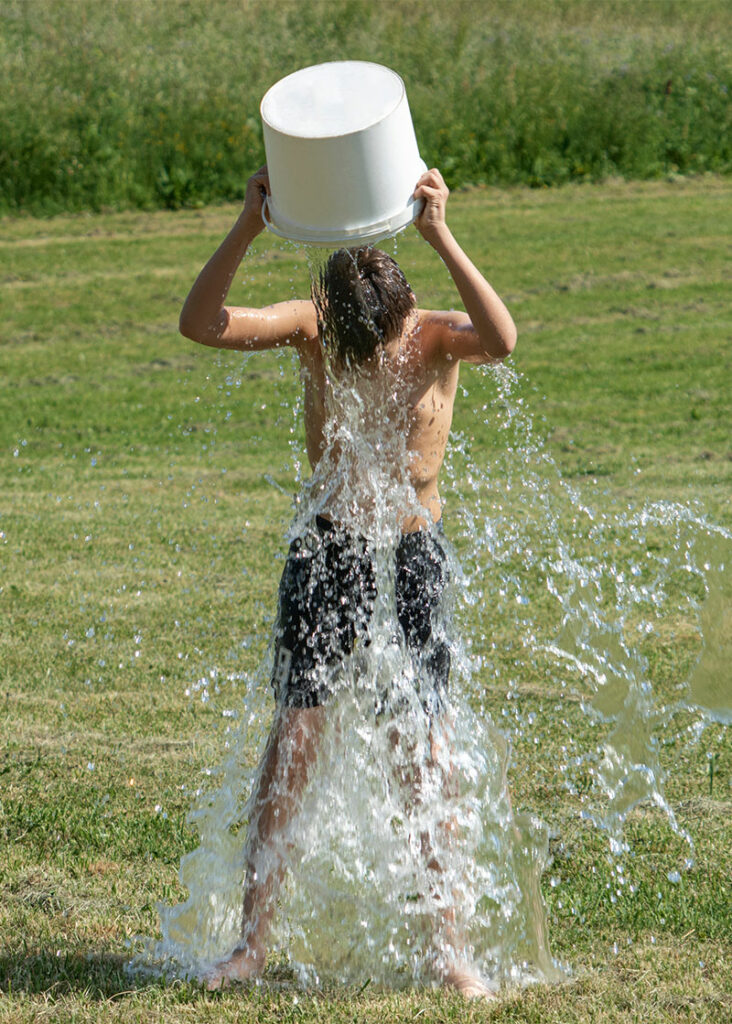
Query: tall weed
pixel 149 105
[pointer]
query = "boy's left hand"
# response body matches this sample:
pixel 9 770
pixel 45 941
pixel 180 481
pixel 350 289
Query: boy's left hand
pixel 432 188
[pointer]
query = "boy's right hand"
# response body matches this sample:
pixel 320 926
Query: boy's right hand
pixel 257 189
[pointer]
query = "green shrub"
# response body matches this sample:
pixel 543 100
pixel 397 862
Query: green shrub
pixel 146 105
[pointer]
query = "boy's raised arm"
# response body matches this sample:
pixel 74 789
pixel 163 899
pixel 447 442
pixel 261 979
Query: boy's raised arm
pixel 488 332
pixel 204 317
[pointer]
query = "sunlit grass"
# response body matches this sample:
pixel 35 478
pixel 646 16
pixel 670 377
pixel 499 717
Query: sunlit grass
pixel 142 540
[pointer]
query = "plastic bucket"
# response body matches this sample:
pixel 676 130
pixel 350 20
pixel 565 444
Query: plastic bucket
pixel 342 155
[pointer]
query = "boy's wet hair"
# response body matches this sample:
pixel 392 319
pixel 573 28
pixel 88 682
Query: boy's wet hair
pixel 362 299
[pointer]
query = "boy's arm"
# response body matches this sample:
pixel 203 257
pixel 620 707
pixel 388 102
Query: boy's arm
pixel 485 332
pixel 204 317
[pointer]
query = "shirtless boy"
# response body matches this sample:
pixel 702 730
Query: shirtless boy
pixel 368 314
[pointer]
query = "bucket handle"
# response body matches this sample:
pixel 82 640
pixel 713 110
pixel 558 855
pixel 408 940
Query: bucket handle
pixel 265 218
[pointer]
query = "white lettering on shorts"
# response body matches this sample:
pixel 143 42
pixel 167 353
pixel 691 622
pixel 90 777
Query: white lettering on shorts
pixel 283 660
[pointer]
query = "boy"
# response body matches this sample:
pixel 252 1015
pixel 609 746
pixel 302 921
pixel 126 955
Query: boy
pixel 362 320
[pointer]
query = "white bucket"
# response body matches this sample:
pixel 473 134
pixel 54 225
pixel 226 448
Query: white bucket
pixel 342 155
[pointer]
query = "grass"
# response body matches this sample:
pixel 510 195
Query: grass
pixel 141 533
pixel 157 105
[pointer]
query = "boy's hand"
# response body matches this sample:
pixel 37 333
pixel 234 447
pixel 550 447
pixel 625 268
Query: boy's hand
pixel 432 188
pixel 257 189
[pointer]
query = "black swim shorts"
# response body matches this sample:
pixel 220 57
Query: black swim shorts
pixel 326 600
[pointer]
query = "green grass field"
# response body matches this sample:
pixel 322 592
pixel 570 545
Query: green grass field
pixel 145 494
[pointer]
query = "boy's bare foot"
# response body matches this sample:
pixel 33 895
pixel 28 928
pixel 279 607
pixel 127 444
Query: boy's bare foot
pixel 468 983
pixel 243 965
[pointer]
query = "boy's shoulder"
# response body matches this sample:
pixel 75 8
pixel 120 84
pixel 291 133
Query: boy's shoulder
pixel 437 329
pixel 447 320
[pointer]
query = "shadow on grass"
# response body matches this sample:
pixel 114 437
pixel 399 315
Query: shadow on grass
pixel 98 975
pixel 103 976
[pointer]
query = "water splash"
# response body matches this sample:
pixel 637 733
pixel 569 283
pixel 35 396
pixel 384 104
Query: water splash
pixel 551 584
pixel 710 687
pixel 589 587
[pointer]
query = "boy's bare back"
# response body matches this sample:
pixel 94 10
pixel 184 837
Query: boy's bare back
pixel 423 360
pixel 424 381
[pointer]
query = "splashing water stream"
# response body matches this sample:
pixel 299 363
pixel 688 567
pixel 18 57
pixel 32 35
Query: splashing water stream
pixel 405 852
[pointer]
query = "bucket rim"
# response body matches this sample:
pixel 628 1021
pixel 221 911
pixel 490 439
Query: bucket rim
pixel 343 237
pixel 334 135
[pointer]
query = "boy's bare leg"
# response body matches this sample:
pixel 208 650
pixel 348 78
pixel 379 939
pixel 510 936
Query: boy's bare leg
pixel 290 753
pixel 457 972
pixel 460 974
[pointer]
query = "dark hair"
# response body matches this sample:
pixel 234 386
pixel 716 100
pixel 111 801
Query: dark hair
pixel 362 299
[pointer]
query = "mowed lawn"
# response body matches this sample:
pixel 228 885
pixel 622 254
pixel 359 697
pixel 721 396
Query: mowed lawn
pixel 145 491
